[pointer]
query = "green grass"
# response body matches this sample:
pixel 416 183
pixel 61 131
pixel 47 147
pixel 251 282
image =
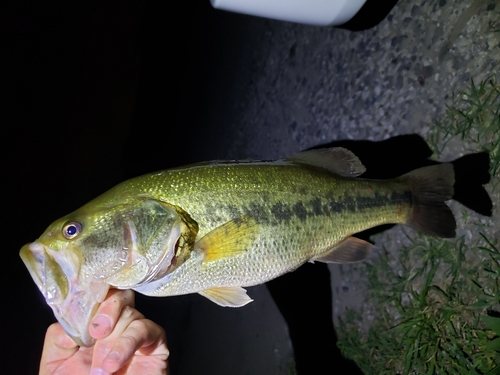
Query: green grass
pixel 438 304
pixel 430 322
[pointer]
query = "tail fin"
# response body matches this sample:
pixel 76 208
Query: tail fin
pixel 431 186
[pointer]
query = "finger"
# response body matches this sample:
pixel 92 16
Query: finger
pixel 57 347
pixel 103 347
pixel 143 335
pixel 109 312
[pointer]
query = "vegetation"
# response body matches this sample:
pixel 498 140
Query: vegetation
pixel 438 303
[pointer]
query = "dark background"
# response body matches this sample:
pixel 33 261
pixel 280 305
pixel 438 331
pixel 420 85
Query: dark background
pixel 95 92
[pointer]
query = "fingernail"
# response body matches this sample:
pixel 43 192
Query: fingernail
pixel 102 324
pixel 99 371
pixel 113 356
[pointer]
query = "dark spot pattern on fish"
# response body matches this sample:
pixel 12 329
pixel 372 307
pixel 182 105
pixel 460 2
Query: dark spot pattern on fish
pixel 258 212
pixel 281 212
pixel 401 197
pixel 317 207
pixel 300 211
pixel 359 203
pixel 333 206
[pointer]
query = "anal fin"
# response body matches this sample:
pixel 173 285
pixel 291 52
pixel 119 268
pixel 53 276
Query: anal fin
pixel 351 250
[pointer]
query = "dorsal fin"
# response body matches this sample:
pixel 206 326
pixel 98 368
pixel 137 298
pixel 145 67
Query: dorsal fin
pixel 338 160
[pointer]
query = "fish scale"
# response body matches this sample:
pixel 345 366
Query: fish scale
pixel 303 213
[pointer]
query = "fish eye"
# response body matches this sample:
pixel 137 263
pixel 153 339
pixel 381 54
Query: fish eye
pixel 71 230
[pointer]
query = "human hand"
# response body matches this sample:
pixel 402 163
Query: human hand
pixel 127 343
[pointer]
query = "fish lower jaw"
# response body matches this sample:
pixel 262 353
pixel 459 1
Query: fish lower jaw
pixel 73 300
pixel 79 307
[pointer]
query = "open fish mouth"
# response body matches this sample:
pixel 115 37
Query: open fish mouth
pixel 56 276
pixel 74 295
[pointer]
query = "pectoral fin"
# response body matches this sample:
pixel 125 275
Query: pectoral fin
pixel 230 239
pixel 228 296
pixel 351 250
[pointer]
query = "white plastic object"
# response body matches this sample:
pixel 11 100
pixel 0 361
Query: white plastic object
pixel 312 12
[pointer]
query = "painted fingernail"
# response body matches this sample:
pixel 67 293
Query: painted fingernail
pixel 99 371
pixel 102 324
pixel 113 356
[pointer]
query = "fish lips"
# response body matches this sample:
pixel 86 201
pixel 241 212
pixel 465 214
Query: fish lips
pixel 56 275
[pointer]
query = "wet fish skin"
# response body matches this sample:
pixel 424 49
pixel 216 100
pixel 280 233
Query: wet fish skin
pixel 213 228
pixel 301 214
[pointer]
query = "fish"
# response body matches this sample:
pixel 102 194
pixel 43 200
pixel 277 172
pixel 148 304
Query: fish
pixel 215 228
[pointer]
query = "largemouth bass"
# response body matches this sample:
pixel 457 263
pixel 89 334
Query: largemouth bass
pixel 214 228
